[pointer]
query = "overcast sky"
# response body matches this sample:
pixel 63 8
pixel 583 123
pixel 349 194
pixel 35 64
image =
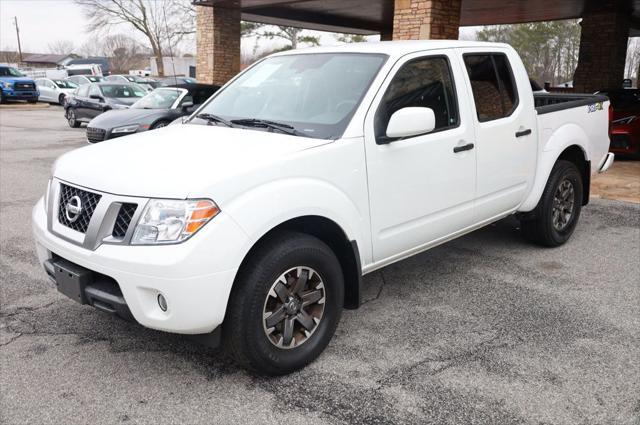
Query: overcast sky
pixel 46 21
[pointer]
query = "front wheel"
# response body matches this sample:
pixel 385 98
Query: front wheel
pixel 555 217
pixel 159 124
pixel 71 119
pixel 285 305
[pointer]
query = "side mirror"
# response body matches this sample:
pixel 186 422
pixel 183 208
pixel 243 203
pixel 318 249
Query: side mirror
pixel 411 121
pixel 186 105
pixel 97 97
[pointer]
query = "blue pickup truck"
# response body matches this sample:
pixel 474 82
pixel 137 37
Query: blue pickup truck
pixel 16 86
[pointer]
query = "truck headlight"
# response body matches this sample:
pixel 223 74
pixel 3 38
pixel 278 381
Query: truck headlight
pixel 170 221
pixel 7 85
pixel 125 129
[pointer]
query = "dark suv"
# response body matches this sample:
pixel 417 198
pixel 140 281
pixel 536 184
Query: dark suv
pixel 90 100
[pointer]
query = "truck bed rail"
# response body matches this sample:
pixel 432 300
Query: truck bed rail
pixel 546 103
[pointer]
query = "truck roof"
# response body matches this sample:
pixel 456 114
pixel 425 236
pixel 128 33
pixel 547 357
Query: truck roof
pixel 394 48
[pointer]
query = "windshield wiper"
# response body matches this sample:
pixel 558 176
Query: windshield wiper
pixel 215 119
pixel 273 125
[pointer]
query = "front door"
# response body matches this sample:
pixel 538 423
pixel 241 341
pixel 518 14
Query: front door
pixel 506 134
pixel 421 188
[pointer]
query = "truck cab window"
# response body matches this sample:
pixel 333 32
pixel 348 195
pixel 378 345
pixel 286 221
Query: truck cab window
pixel 492 84
pixel 423 82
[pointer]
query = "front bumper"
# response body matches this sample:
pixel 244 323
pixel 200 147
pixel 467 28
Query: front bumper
pixel 195 277
pixel 20 94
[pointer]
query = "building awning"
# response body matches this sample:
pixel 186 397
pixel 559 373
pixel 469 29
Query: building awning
pixel 375 16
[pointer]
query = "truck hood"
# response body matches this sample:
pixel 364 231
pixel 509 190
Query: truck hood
pixel 177 160
pixel 10 79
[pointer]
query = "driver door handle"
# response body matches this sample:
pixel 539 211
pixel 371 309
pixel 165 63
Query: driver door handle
pixel 523 132
pixel 463 148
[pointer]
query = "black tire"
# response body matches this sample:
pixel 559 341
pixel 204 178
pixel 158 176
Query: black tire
pixel 245 334
pixel 71 119
pixel 159 124
pixel 551 224
pixel 32 101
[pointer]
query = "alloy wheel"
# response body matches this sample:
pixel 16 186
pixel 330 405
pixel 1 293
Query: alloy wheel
pixel 563 205
pixel 294 307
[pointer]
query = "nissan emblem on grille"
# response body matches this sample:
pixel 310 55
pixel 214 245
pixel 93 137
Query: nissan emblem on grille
pixel 76 207
pixel 73 209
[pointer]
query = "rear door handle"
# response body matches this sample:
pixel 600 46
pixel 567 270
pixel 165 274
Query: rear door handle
pixel 523 132
pixel 463 148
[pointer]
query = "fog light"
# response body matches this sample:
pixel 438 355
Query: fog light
pixel 162 302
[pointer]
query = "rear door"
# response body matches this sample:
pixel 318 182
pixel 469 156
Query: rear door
pixel 421 188
pixel 505 129
pixel 95 106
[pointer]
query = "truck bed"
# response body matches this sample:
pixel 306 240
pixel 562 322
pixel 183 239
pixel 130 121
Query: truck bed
pixel 552 102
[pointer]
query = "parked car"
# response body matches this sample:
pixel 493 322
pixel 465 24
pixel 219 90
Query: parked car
pixel 90 100
pixel 255 221
pixel 625 122
pixel 157 109
pixel 172 81
pixel 148 84
pixel 55 91
pixel 15 86
pixel 85 79
pixel 125 78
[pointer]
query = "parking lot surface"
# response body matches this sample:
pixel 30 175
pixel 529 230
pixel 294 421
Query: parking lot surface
pixel 484 329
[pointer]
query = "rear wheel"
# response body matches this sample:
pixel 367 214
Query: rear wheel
pixel 71 119
pixel 285 304
pixel 555 217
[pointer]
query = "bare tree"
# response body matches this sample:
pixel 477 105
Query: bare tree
pixel 61 47
pixel 124 52
pixel 164 23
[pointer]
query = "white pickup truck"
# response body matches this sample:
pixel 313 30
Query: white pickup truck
pixel 255 221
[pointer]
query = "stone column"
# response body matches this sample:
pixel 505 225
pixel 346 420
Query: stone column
pixel 218 44
pixel 426 19
pixel 603 48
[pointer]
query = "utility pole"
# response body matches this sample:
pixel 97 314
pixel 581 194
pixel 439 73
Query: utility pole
pixel 15 21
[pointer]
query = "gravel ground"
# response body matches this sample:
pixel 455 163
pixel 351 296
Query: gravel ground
pixel 485 329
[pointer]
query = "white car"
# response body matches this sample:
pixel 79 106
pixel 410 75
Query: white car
pixel 55 90
pixel 256 220
pixel 81 80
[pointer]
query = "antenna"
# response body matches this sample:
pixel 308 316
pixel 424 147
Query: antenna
pixel 166 27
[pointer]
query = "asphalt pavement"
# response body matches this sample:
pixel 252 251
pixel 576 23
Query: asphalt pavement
pixel 484 329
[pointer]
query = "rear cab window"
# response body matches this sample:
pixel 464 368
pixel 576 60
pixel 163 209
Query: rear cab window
pixel 494 91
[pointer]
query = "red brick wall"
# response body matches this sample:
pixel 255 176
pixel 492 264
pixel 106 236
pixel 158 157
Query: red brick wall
pixel 603 49
pixel 426 19
pixel 218 44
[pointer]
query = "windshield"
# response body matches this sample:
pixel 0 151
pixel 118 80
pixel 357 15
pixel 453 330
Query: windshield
pixel 65 84
pixel 316 94
pixel 7 71
pixel 122 90
pixel 158 99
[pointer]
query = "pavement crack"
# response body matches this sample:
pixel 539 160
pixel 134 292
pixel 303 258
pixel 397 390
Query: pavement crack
pixel 12 339
pixel 384 282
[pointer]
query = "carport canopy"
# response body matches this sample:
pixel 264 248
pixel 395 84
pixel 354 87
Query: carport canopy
pixel 606 26
pixel 376 16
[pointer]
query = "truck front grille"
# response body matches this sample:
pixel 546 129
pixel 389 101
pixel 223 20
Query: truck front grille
pixel 95 134
pixel 88 202
pixel 24 86
pixel 123 220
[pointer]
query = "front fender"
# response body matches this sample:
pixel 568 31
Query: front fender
pixel 264 207
pixel 562 138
